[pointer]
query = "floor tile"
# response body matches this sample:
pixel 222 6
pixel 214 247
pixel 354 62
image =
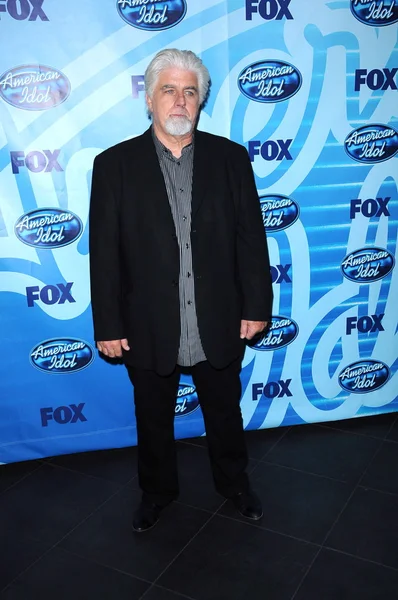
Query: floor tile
pixel 296 503
pixel 259 442
pixel 382 473
pixel 336 575
pixel 18 552
pixel 63 576
pixel 368 527
pixel 108 538
pixel 118 465
pixel 14 472
pixel 158 593
pixel 195 441
pixel 325 451
pixel 374 426
pixel 50 502
pixel 393 433
pixel 196 556
pixel 229 560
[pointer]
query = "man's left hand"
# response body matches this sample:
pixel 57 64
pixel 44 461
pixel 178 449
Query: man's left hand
pixel 248 329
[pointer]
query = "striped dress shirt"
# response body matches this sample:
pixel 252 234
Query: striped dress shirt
pixel 177 174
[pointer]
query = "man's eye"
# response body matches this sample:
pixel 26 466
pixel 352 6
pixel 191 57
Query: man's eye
pixel 189 93
pixel 169 91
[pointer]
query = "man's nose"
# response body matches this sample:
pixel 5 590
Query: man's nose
pixel 180 100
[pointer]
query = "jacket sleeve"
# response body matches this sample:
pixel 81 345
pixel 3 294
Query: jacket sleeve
pixel 252 250
pixel 104 245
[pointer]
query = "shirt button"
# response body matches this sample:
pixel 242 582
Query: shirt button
pixel 187 246
pixel 188 274
pixel 184 218
pixel 181 190
pixel 189 302
pixel 178 163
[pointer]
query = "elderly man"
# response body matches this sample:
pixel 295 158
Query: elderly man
pixel 180 279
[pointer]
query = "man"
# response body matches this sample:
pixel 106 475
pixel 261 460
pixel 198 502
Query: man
pixel 180 278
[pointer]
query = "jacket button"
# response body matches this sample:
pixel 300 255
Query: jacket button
pixel 174 282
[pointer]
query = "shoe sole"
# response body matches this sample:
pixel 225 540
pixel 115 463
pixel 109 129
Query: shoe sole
pixel 146 529
pixel 251 518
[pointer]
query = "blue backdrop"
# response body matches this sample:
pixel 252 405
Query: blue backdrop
pixel 310 88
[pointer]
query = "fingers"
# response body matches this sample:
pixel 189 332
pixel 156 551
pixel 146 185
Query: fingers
pixel 252 328
pixel 125 344
pixel 112 348
pixel 251 331
pixel 243 329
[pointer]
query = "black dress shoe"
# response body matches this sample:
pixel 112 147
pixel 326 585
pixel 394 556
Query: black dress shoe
pixel 248 504
pixel 146 516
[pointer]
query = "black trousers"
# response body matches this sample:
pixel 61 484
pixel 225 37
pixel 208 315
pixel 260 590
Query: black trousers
pixel 219 392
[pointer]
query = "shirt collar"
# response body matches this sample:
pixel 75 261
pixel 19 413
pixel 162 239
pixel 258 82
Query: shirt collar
pixel 161 148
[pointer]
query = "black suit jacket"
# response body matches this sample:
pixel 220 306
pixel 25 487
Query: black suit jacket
pixel 134 255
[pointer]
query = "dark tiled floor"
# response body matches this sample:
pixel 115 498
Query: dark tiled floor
pixel 330 526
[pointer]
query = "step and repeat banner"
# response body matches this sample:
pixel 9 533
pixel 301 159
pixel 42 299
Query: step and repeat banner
pixel 309 87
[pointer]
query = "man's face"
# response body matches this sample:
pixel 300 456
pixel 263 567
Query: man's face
pixel 175 102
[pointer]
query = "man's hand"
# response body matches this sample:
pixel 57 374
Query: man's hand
pixel 113 348
pixel 248 329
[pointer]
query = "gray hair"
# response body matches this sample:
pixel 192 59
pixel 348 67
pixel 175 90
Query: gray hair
pixel 180 59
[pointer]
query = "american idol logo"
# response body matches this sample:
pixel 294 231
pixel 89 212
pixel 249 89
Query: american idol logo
pixel 187 399
pixel 34 87
pixel 367 265
pixel 372 143
pixel 279 212
pixel 48 228
pixel 375 12
pixel 269 81
pixel 62 355
pixel 364 376
pixel 152 14
pixel 281 333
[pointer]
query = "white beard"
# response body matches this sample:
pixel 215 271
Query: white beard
pixel 178 125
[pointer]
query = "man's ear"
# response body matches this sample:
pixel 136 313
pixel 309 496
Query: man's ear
pixel 148 103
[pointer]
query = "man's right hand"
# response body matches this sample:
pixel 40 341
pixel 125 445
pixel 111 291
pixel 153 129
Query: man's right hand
pixel 113 348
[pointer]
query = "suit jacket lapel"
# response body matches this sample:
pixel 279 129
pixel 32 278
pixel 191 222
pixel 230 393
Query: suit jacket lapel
pixel 155 187
pixel 201 172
